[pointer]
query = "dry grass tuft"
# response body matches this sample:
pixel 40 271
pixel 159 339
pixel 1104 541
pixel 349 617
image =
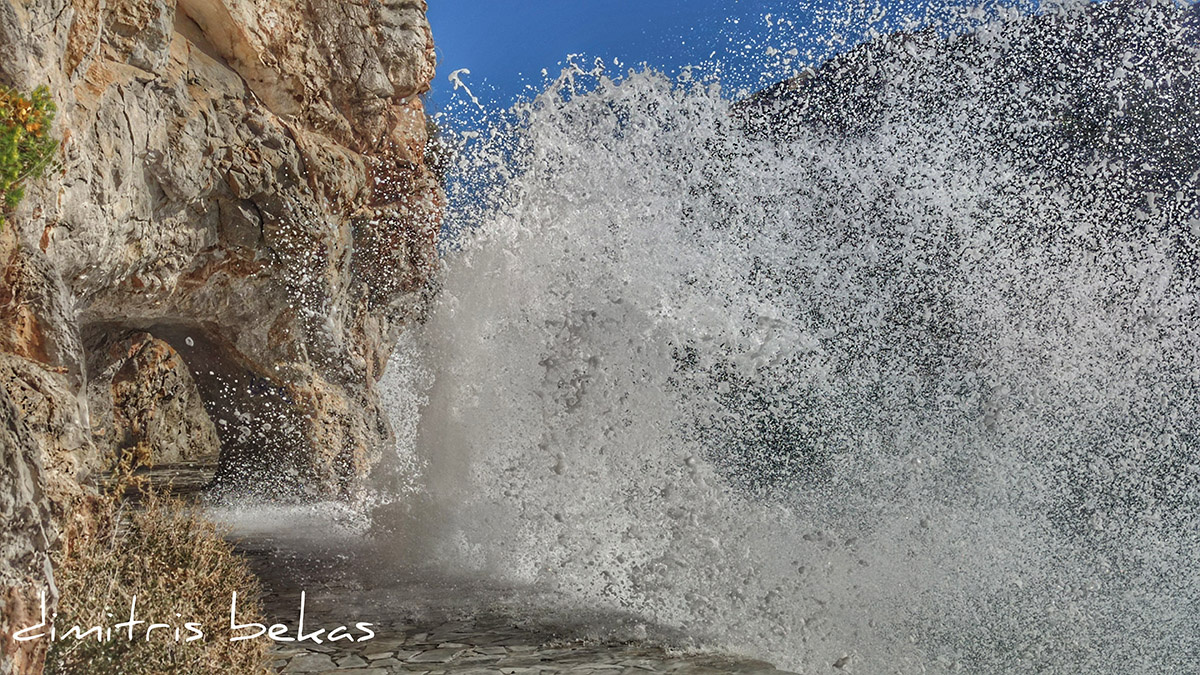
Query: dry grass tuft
pixel 181 570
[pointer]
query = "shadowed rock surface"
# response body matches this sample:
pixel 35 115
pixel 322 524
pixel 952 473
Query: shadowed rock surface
pixel 142 396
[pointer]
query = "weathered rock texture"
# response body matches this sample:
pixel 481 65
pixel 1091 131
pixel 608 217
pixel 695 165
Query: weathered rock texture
pixel 142 396
pixel 245 173
pixel 24 541
pixel 242 191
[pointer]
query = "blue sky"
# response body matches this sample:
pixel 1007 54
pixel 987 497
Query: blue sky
pixel 507 43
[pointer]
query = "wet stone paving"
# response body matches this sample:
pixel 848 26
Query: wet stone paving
pixel 418 626
pixel 475 648
pixel 343 586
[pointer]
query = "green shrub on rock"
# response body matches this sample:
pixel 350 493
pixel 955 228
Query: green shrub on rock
pixel 26 145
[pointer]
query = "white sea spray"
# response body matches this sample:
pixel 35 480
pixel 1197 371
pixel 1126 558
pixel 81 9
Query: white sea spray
pixel 880 391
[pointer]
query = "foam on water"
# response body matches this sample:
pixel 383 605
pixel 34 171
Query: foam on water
pixel 897 393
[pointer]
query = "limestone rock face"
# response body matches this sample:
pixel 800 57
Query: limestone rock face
pixel 24 542
pixel 240 223
pixel 249 174
pixel 41 373
pixel 142 396
pixel 44 455
pixel 54 415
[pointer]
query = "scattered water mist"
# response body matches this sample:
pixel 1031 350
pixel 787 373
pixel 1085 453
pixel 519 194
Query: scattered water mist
pixel 908 386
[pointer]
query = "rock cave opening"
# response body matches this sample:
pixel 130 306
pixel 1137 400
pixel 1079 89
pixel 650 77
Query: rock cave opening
pixel 181 394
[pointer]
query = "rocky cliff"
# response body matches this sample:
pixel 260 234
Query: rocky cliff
pixel 240 222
